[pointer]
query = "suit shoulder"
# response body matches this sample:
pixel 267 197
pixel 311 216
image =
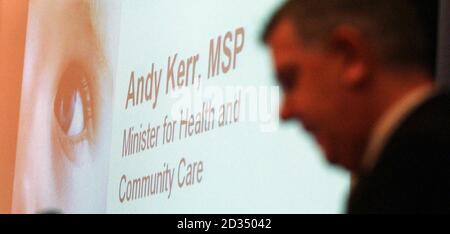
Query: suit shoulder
pixel 429 121
pixel 412 174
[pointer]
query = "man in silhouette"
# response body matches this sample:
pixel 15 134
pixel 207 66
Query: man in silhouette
pixel 358 74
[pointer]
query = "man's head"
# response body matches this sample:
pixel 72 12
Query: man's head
pixel 342 63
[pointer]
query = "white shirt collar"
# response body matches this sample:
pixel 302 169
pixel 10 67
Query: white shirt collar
pixel 389 122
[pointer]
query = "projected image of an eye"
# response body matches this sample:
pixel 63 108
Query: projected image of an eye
pixel 71 104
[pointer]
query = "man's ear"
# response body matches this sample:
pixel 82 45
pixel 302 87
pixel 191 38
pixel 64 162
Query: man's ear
pixel 348 43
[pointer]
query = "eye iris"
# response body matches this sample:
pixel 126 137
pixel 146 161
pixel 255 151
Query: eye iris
pixel 64 107
pixel 69 106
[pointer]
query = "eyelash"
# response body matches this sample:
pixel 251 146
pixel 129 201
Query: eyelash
pixel 87 98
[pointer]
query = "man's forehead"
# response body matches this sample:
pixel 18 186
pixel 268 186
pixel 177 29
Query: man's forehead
pixel 284 35
pixel 285 44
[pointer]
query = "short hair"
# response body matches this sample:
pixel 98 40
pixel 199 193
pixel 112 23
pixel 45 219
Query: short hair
pixel 403 32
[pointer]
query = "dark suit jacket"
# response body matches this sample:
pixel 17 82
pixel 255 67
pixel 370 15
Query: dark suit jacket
pixel 413 171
